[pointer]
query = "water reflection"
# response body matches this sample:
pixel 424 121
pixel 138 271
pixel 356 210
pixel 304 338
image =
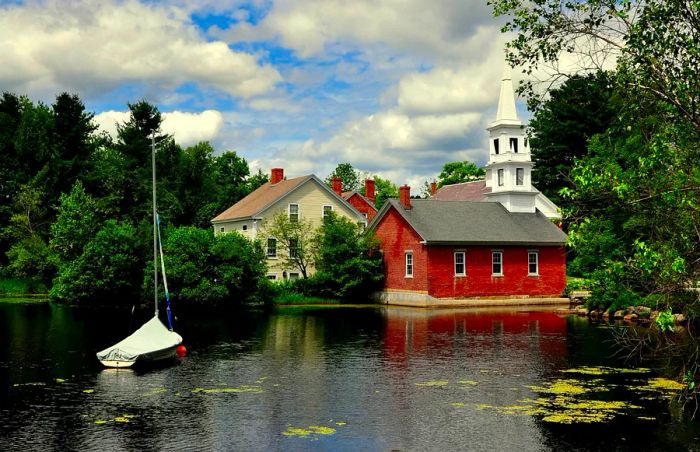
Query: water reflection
pixel 341 378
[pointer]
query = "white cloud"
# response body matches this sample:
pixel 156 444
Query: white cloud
pixel 94 46
pixel 191 128
pixel 186 128
pixel 448 29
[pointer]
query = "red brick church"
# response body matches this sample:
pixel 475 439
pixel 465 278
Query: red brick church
pixel 500 245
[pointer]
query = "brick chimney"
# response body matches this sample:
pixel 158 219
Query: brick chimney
pixel 433 188
pixel 405 196
pixel 369 190
pixel 277 175
pixel 338 186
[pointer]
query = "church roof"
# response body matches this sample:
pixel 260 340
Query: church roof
pixel 466 191
pixel 475 223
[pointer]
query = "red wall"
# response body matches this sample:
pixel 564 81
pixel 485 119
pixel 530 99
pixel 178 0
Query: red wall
pixel 479 282
pixel 433 266
pixel 396 236
pixel 361 205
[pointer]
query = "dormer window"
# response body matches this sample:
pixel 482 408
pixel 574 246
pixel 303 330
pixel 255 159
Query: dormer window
pixel 514 145
pixel 495 145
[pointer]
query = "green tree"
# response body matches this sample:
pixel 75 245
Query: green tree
pixel 580 108
pixel 348 174
pixel 384 189
pixel 109 271
pixel 349 261
pixel 295 241
pixel 458 172
pixel 77 222
pixel 212 270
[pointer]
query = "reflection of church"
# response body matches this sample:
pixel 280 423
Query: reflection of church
pixel 411 332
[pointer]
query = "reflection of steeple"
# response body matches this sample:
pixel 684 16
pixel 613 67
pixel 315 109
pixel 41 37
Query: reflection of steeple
pixel 506 100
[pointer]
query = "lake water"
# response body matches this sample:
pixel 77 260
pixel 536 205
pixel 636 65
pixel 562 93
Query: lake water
pixel 333 378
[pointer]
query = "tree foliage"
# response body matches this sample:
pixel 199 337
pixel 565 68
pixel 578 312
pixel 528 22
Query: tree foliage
pixel 458 172
pixel 295 241
pixel 203 269
pixel 579 109
pixel 349 262
pixel 347 173
pixel 109 271
pixel 384 189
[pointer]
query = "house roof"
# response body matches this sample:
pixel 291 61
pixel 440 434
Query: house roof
pixel 266 195
pixel 466 191
pixel 473 222
pixel 349 194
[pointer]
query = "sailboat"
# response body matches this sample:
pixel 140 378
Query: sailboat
pixel 153 341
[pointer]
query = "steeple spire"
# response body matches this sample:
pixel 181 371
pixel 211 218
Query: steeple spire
pixel 506 100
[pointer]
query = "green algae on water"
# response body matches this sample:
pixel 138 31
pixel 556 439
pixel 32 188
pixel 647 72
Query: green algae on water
pixel 434 383
pixel 308 431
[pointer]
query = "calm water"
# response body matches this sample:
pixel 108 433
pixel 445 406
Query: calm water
pixel 337 378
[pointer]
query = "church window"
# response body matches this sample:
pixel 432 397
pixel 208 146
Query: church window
pixel 514 145
pixel 497 263
pixel 460 267
pixel 519 176
pixel 495 145
pixel 500 177
pixel 533 263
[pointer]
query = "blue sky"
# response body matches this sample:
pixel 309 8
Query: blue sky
pixel 397 88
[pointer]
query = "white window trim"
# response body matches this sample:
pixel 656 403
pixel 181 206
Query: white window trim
pixel 289 275
pixel 272 276
pixel 537 262
pixel 406 254
pixel 289 211
pixel 493 254
pixel 464 262
pixel 323 210
pixel 267 247
pixel 500 177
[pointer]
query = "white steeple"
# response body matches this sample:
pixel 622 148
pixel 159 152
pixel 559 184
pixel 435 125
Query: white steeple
pixel 509 171
pixel 506 101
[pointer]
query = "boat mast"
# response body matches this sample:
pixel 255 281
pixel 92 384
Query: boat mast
pixel 155 225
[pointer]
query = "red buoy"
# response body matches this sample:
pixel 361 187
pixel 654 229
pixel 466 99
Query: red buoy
pixel 181 351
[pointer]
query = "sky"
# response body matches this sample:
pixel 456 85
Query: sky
pixel 397 88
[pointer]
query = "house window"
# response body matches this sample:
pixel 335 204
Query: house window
pixel 460 267
pixel 245 227
pixel 293 248
pixel 327 211
pixel 272 277
pixel 497 263
pixel 271 247
pixel 495 145
pixel 409 264
pixel 519 176
pixel 364 214
pixel 533 264
pixel 500 178
pixel 294 213
pixel 222 229
pixel 293 275
pixel 514 145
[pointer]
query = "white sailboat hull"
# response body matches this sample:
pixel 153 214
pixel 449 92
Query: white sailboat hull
pixel 152 342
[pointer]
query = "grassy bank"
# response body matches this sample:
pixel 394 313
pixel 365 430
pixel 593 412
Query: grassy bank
pixel 25 287
pixel 287 298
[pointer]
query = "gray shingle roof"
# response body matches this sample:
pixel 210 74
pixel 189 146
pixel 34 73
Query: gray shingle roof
pixel 472 222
